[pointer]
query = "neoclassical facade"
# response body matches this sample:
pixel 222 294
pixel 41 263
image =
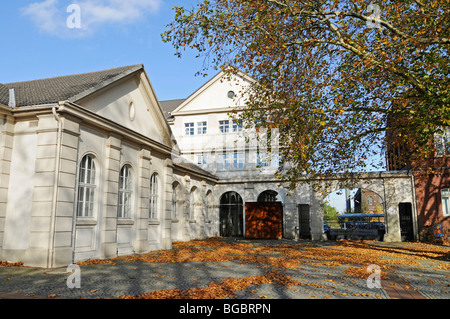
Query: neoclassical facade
pixel 87 171
pixel 94 166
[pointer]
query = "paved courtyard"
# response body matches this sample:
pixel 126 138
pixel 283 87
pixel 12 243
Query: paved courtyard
pixel 248 269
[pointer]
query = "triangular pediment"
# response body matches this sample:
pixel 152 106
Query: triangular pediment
pixel 132 103
pixel 222 92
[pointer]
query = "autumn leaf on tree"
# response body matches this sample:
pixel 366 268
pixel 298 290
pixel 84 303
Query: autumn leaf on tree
pixel 337 79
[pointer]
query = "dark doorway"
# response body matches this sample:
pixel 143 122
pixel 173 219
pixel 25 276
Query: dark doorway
pixel 231 215
pixel 264 220
pixel 303 221
pixel 406 221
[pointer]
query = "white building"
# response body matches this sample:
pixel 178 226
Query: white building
pixel 93 166
pixel 86 170
pixel 207 134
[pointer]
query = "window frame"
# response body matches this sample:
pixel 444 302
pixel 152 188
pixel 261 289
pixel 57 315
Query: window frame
pixel 237 126
pixel 223 162
pixel 261 159
pixel 202 159
pixel 154 197
pixel 238 161
pixel 224 126
pixel 202 128
pixel 87 187
pixel 174 212
pixel 124 205
pixel 189 129
pixel 445 201
pixel 192 204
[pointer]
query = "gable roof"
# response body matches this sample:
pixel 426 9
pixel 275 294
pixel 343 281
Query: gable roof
pixel 220 75
pixel 4 95
pixel 170 105
pixel 63 88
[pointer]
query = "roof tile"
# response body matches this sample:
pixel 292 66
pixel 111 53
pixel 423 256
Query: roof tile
pixel 61 88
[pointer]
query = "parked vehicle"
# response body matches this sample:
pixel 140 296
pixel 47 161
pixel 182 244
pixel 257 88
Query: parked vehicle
pixel 359 226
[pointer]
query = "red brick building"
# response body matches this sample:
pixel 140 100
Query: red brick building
pixel 432 183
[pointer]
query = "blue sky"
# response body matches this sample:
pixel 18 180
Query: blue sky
pixel 37 43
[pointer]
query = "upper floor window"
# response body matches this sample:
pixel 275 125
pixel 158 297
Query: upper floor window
pixel 261 159
pixel 238 161
pixel 202 128
pixel 442 143
pixel 86 187
pixel 224 126
pixel 224 162
pixel 189 128
pixel 125 192
pixel 153 196
pixel 445 198
pixel 201 159
pixel 237 126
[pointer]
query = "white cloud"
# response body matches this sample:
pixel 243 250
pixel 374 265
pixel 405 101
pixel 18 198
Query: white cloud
pixel 44 15
pixel 50 16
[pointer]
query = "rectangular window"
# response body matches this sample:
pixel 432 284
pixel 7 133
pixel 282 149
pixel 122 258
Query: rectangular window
pixel 237 126
pixel 189 128
pixel 224 163
pixel 202 128
pixel 261 159
pixel 224 126
pixel 201 159
pixel 445 198
pixel 238 161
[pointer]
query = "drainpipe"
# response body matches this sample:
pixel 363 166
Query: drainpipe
pixel 386 213
pixel 414 206
pixel 51 243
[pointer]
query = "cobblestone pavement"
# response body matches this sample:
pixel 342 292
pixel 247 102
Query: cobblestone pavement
pixel 133 278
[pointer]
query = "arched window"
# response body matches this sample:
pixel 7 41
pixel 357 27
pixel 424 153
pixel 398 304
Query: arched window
pixel 174 202
pixel 192 204
pixel 154 196
pixel 125 192
pixel 268 196
pixel 86 187
pixel 208 204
